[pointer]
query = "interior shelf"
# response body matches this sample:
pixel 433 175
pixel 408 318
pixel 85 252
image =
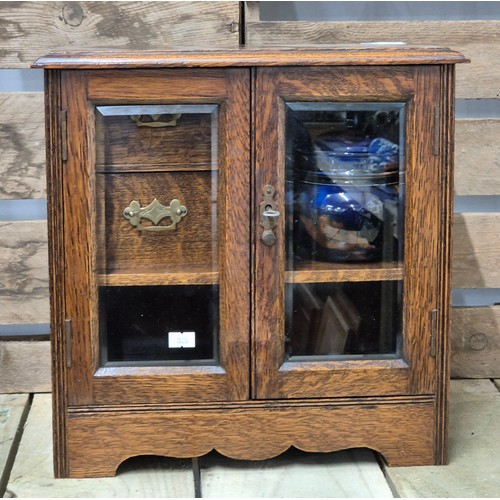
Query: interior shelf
pixel 159 279
pixel 117 168
pixel 325 272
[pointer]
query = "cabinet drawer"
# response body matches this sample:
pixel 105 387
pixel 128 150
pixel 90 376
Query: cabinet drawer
pixel 152 138
pixel 149 247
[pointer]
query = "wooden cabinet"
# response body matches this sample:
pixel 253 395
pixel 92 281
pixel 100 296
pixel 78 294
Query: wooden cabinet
pixel 250 250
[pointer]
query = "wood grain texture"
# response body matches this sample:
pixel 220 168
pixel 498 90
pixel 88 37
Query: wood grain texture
pixel 477 40
pixel 324 272
pixel 33 477
pixel 24 277
pixel 441 342
pixel 477 157
pixel 424 201
pixel 99 442
pixel 24 367
pixel 12 412
pixel 475 342
pixel 267 55
pixel 22 145
pixel 191 276
pixel 476 260
pixel 57 266
pixel 193 242
pixel 295 474
pixel 30 29
pixel 123 146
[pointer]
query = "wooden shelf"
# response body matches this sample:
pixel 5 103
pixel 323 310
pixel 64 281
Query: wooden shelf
pixel 159 279
pixel 143 168
pixel 325 272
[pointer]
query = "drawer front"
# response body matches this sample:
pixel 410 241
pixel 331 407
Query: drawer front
pixel 165 246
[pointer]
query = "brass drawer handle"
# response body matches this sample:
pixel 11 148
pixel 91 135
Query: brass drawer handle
pixel 155 121
pixel 155 212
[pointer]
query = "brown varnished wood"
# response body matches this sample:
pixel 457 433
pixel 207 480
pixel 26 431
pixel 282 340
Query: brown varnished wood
pixel 250 403
pixel 99 442
pixel 422 215
pixel 234 306
pixel 443 365
pixel 193 246
pixel 122 146
pixel 79 237
pixel 193 242
pixel 325 272
pixel 420 89
pixel 55 223
pixel 190 275
pixel 327 55
pixel 366 83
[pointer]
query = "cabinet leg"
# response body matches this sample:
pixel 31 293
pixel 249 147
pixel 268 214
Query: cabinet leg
pixel 197 477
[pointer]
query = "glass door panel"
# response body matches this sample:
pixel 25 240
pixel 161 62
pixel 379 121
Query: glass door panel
pixel 343 305
pixel 161 259
pixel 157 203
pixel 344 230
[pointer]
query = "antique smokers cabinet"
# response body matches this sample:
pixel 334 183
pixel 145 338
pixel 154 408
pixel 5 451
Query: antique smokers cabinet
pixel 249 250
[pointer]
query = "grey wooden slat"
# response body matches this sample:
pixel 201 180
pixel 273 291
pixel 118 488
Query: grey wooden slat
pixel 476 256
pixel 477 157
pixel 353 473
pixel 28 30
pixel 478 40
pixel 22 145
pixel 474 444
pixel 23 272
pixel 32 474
pixel 475 342
pixel 25 367
pixel 12 408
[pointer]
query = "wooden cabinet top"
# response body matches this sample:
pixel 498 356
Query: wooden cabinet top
pixel 326 55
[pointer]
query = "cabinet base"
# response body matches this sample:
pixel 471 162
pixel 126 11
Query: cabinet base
pixel 98 440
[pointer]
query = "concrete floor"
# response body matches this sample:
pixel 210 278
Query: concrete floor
pixel 474 469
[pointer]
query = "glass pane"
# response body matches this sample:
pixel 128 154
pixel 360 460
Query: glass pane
pixel 157 233
pixel 345 214
pixel 359 320
pixel 158 323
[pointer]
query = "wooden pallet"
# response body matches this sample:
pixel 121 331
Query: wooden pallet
pixel 37 27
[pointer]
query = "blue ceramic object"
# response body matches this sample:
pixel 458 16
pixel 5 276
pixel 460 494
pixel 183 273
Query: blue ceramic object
pixel 346 190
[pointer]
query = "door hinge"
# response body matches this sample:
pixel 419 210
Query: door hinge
pixel 437 116
pixel 64 135
pixel 434 331
pixel 67 334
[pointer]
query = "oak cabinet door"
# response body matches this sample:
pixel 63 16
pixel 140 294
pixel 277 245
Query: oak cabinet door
pixel 347 231
pixel 156 235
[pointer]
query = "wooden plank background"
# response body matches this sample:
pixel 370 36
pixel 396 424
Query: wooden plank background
pixel 478 40
pixel 29 29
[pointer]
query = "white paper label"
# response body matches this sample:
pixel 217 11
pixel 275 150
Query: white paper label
pixel 181 339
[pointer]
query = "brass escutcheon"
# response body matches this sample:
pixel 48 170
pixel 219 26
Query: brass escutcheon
pixel 155 212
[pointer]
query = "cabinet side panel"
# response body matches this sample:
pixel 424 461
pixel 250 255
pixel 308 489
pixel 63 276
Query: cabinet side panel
pixel 55 223
pixel 443 361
